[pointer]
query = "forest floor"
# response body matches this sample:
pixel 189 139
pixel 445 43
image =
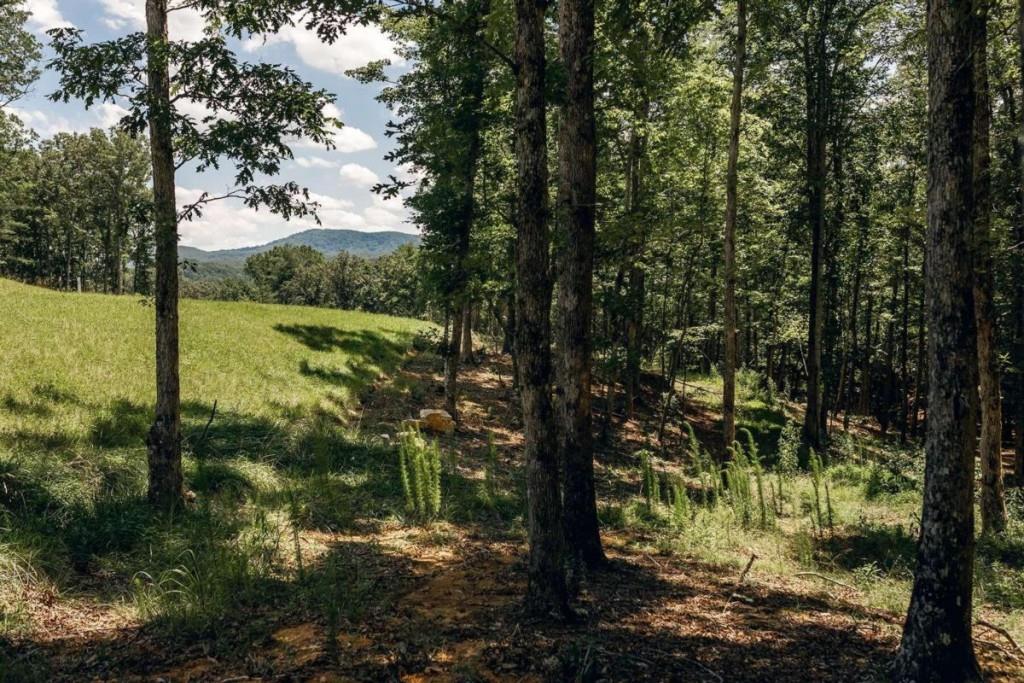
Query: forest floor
pixel 368 595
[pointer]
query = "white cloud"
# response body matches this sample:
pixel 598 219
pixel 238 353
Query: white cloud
pixel 45 15
pixel 359 46
pixel 228 224
pixel 48 124
pixel 387 213
pixel 183 24
pixel 110 114
pixel 354 174
pixel 347 139
pixel 351 139
pixel 315 162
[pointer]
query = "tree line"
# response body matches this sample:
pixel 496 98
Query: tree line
pixel 76 210
pixel 300 275
pixel 825 192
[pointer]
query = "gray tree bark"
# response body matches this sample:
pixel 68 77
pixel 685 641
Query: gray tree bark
pixel 546 586
pixel 937 644
pixel 729 241
pixel 164 441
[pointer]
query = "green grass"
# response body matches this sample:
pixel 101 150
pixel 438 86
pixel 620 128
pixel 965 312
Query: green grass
pixel 874 497
pixel 282 451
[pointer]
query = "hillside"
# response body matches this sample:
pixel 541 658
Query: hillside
pixel 329 242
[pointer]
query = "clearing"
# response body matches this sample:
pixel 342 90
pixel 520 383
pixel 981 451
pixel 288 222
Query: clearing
pixel 299 558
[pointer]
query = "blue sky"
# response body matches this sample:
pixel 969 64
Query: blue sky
pixel 340 179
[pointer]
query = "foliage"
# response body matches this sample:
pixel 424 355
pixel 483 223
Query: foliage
pixel 78 213
pixel 19 53
pixel 419 465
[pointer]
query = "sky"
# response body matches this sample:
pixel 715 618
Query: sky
pixel 339 179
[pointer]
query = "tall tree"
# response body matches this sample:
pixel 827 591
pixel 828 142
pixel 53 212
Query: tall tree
pixel 577 194
pixel 1017 261
pixel 546 588
pixel 253 110
pixel 164 439
pixel 993 503
pixel 729 242
pixel 440 133
pixel 937 643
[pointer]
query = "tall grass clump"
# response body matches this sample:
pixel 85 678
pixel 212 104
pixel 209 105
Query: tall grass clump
pixel 705 469
pixel 648 480
pixel 680 503
pixel 819 483
pixel 757 470
pixel 788 461
pixel 738 480
pixel 419 464
pixel 211 580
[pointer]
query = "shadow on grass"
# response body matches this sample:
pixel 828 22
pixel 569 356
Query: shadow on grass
pixel 887 547
pixel 225 615
pixel 365 345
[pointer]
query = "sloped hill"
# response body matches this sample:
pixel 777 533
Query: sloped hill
pixel 327 241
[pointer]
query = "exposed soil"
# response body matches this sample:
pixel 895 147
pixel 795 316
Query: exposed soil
pixel 445 606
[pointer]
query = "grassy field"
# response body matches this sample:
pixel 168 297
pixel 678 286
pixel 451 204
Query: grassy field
pixel 76 388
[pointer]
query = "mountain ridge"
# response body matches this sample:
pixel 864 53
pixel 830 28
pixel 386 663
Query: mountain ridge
pixel 328 241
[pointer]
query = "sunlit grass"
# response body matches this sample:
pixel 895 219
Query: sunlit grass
pixel 279 451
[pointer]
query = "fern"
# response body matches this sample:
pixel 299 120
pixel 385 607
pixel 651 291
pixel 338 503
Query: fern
pixel 420 470
pixel 680 503
pixel 648 480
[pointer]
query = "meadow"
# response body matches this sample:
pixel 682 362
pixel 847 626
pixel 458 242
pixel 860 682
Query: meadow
pixel 267 396
pixel 320 538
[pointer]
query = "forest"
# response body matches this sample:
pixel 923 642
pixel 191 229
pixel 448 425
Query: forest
pixel 708 364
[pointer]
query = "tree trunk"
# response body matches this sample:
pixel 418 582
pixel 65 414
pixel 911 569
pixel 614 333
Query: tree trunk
pixel 937 644
pixel 578 189
pixel 1017 261
pixel 729 241
pixel 858 278
pixel 634 327
pixel 993 503
pixel 451 364
pixel 467 333
pixel 164 441
pixel 915 417
pixel 905 336
pixel 470 97
pixel 815 69
pixel 546 587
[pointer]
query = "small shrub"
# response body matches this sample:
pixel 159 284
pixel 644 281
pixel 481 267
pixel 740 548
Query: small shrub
pixel 428 340
pixel 680 503
pixel 648 480
pixel 419 465
pixel 850 473
pixel 887 481
pixel 789 449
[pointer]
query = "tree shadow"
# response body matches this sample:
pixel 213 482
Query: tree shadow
pixel 889 547
pixel 364 344
pixel 272 626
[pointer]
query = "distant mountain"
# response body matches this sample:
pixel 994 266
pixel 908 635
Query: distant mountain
pixel 329 242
